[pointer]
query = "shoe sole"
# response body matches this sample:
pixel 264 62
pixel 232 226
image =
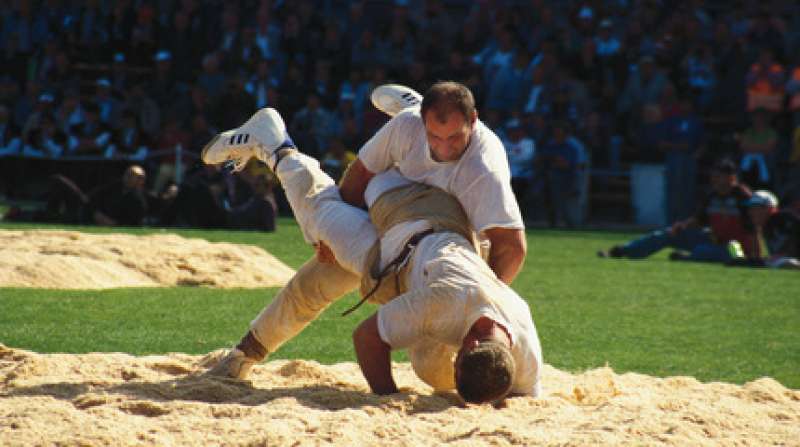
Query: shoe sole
pixel 384 97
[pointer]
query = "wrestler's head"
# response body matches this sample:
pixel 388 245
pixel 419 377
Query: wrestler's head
pixel 484 366
pixel 448 111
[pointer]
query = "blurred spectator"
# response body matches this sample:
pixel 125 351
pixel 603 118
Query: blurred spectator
pixel 765 83
pixel 63 76
pixel 44 106
pixel 607 45
pixel 649 134
pixel 211 79
pixel 310 126
pixel 128 141
pixel 556 176
pixel 235 105
pixel 201 133
pixel 92 136
pixel 144 36
pixel 10 142
pixel 44 140
pixel 793 91
pixel 368 51
pixel 703 237
pixel 508 82
pixel 520 149
pixel 535 98
pixel 173 139
pixel 145 108
pixel 778 230
pixel 682 139
pixel 29 105
pixel 71 112
pixel 757 147
pixel 120 203
pixel 108 104
pixel 261 82
pixel 700 74
pixel 164 86
pixel 644 85
pixel 337 158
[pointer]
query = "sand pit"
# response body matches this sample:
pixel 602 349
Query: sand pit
pixel 119 399
pixel 73 260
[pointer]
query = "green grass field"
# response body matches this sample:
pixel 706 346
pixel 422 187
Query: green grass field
pixel 655 317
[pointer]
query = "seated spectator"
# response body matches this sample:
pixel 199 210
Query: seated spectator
pixel 10 142
pixel 520 149
pixel 757 147
pixel 778 229
pixel 90 137
pixel 128 141
pixel 71 111
pixel 44 106
pixel 705 236
pixel 765 83
pixel 108 104
pixel 337 158
pixel 146 109
pixel 235 104
pixel 46 140
pixel 122 202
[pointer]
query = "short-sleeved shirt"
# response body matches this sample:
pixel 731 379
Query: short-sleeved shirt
pixel 451 287
pixel 480 179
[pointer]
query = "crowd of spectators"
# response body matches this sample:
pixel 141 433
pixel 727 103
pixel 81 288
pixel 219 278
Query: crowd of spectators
pixel 572 87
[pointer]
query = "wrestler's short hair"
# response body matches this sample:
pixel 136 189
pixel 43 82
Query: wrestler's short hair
pixel 485 373
pixel 445 97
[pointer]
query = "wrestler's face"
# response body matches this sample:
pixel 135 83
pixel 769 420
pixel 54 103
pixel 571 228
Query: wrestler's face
pixel 448 139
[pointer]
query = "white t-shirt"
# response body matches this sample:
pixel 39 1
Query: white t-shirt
pixel 480 179
pixel 450 288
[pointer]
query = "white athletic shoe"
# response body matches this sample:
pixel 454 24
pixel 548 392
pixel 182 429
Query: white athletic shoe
pixel 392 99
pixel 235 365
pixel 259 137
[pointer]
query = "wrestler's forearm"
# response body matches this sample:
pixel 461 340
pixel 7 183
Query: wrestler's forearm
pixel 507 253
pixel 354 183
pixel 374 357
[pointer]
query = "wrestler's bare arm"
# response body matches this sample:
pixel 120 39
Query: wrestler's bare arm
pixel 507 253
pixel 374 356
pixel 354 183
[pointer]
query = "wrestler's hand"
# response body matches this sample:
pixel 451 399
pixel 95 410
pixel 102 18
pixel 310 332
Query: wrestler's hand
pixel 324 253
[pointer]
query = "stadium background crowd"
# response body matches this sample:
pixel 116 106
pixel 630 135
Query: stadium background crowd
pixel 579 91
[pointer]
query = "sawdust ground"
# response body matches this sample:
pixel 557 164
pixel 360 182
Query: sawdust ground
pixel 73 260
pixel 119 399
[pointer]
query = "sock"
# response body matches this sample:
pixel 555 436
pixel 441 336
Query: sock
pixel 252 348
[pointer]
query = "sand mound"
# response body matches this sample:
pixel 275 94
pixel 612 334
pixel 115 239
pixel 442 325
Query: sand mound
pixel 73 260
pixel 119 399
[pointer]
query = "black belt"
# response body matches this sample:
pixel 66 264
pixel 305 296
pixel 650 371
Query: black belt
pixel 396 263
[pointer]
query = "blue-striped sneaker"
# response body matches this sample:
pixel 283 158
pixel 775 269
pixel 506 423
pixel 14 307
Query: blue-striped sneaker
pixel 261 136
pixel 392 99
